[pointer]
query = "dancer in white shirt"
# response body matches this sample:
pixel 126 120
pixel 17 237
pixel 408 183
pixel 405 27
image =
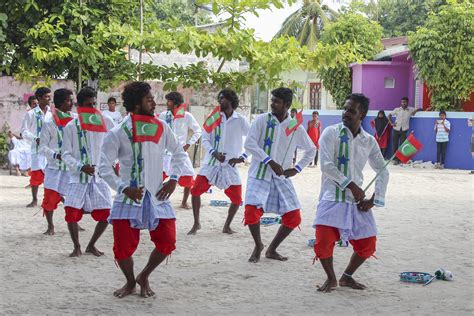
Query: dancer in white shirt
pixel 224 149
pixel 142 200
pixel 56 178
pixel 343 211
pixel 181 124
pixel 86 192
pixel 269 188
pixel 31 131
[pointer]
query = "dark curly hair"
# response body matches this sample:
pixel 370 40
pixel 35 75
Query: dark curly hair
pixel 285 94
pixel 360 99
pixel 42 91
pixel 175 97
pixel 60 96
pixel 231 96
pixel 85 93
pixel 133 94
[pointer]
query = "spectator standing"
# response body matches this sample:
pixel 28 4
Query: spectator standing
pixel 402 124
pixel 442 128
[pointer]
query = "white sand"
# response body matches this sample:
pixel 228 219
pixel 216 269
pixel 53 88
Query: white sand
pixel 427 224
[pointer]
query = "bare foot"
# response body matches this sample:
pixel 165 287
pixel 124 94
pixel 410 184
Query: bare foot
pixel 33 203
pixel 49 231
pixel 194 229
pixel 125 290
pixel 185 206
pixel 328 286
pixel 93 250
pixel 76 252
pixel 80 228
pixel 228 230
pixel 350 282
pixel 275 255
pixel 145 289
pixel 255 257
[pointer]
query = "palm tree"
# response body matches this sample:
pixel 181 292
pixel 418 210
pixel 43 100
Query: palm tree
pixel 306 23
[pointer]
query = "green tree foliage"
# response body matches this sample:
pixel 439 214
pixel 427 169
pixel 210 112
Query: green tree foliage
pixel 363 37
pixel 51 41
pixel 443 51
pixel 182 11
pixel 307 23
pixel 397 17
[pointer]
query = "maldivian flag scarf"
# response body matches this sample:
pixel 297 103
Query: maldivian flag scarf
pixel 83 147
pixel 267 144
pixel 137 167
pixel 342 160
pixel 213 120
pixel 61 119
pixel 180 111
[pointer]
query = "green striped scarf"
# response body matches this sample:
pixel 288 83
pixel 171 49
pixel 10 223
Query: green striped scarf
pixel 342 161
pixel 267 146
pixel 83 147
pixel 217 142
pixel 137 167
pixel 60 133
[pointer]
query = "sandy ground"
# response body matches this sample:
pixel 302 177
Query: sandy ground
pixel 427 224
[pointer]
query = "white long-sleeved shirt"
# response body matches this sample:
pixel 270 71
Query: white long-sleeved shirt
pixel 233 131
pixel 282 146
pixel 71 150
pixel 49 141
pixel 362 148
pixel 181 126
pixel 117 145
pixel 29 126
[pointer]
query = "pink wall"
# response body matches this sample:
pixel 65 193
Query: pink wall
pixel 368 78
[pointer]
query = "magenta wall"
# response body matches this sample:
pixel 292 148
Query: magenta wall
pixel 369 78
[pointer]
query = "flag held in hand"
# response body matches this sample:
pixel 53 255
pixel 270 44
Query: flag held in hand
pixel 408 149
pixel 146 128
pixel 213 120
pixel 180 111
pixel 294 123
pixel 61 118
pixel 91 120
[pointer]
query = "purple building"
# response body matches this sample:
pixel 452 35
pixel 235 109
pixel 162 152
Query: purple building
pixel 390 77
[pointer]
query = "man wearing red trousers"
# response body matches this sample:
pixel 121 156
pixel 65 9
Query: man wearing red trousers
pixel 56 174
pixel 269 188
pixel 343 211
pixel 86 192
pixel 31 131
pixel 142 200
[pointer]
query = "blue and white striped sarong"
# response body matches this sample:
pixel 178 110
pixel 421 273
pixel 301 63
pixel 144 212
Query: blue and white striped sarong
pixel 144 216
pixel 352 223
pixel 275 196
pixel 94 195
pixel 57 180
pixel 221 175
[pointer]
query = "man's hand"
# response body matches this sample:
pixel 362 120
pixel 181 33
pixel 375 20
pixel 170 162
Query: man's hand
pixel 58 156
pixel 219 156
pixel 37 141
pixel 88 169
pixel 166 191
pixel 186 147
pixel 134 194
pixel 288 173
pixel 357 192
pixel 366 205
pixel 235 161
pixel 276 168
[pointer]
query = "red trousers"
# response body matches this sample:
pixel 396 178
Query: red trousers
pixel 74 215
pixel 201 185
pixel 326 237
pixel 253 214
pixel 36 177
pixel 183 181
pixel 126 238
pixel 51 199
